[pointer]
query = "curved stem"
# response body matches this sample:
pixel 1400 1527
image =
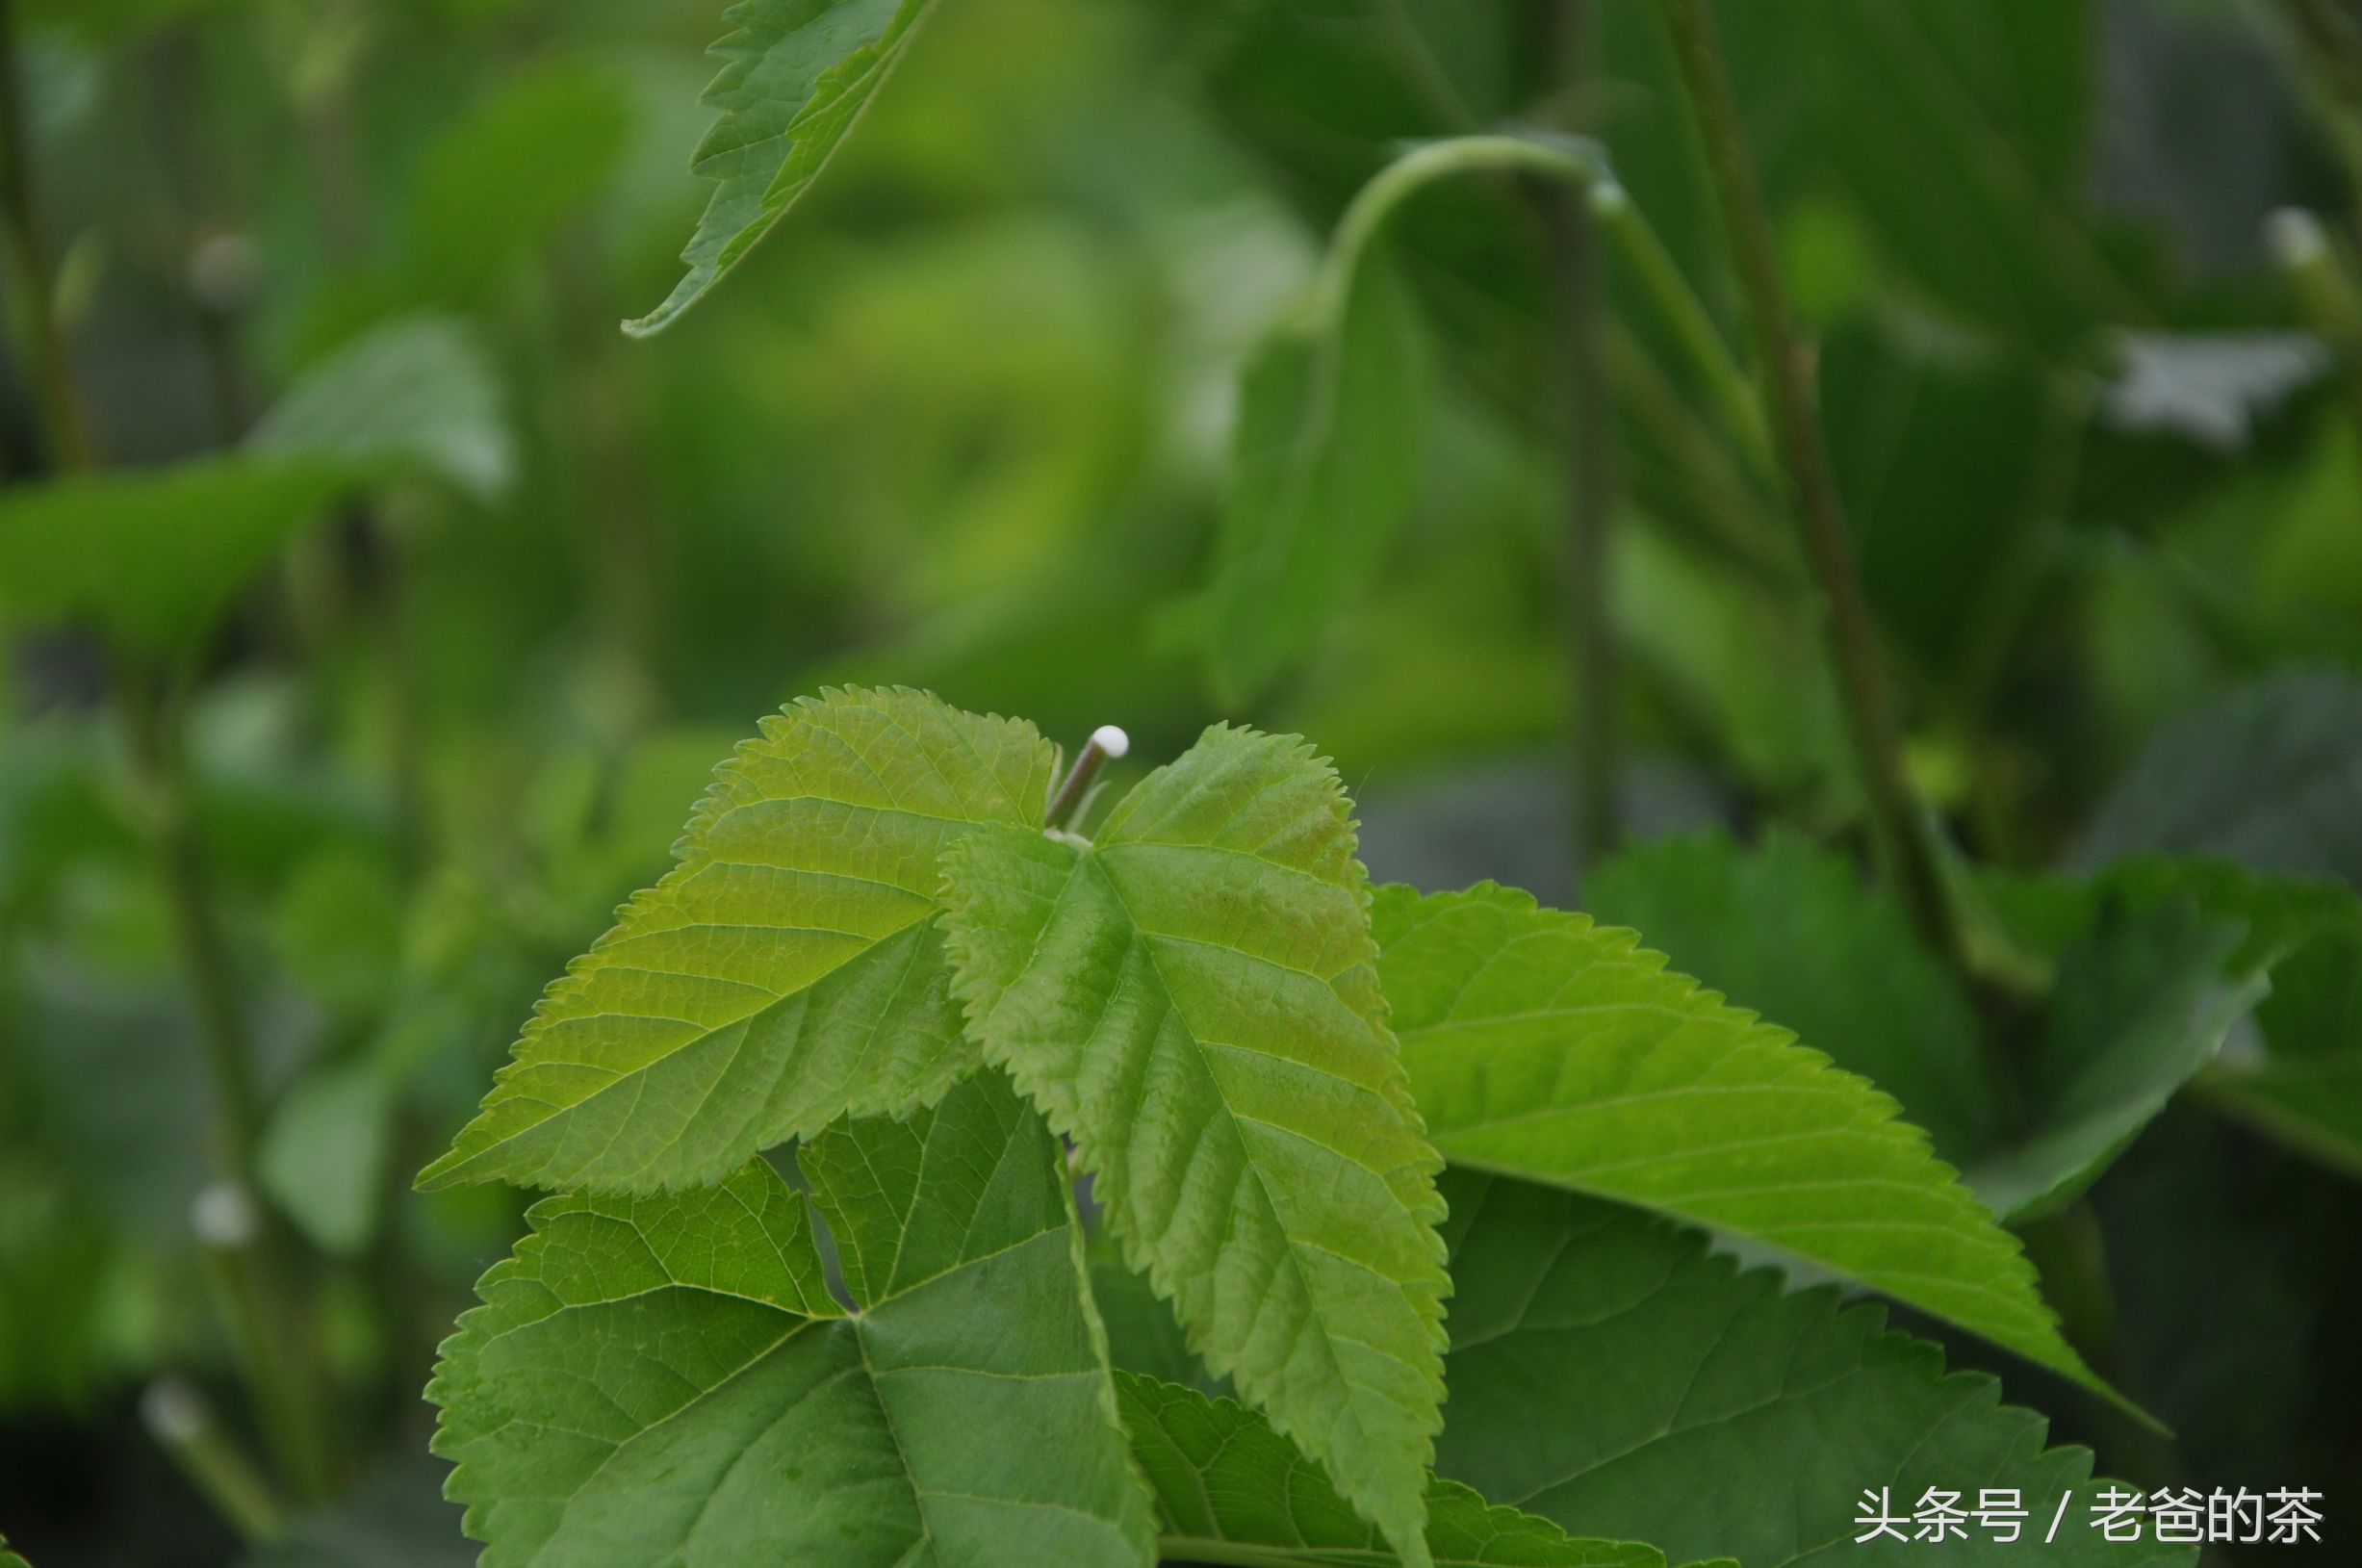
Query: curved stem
pixel 1577 163
pixel 1905 842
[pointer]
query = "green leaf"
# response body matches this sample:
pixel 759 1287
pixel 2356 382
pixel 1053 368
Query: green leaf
pixel 1789 930
pixel 2145 998
pixel 785 973
pixel 668 1379
pixel 2142 1007
pixel 2312 1105
pixel 1610 1374
pixel 2271 778
pixel 1194 1002
pixel 325 1157
pixel 503 177
pixel 1325 466
pixel 8 1558
pixel 1542 1045
pixel 151 557
pixel 416 393
pixel 797 75
pixel 1225 1482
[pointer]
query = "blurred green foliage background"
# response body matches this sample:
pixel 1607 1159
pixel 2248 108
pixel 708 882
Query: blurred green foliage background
pixel 339 285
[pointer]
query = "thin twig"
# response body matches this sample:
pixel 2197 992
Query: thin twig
pixel 1905 841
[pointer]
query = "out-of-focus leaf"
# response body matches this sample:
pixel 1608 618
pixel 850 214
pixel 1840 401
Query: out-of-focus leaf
pixel 786 972
pixel 1543 1046
pixel 2270 777
pixel 2313 1104
pixel 1226 1484
pixel 2305 934
pixel 2209 387
pixel 2140 1008
pixel 324 1158
pixel 503 176
pixel 797 75
pixel 338 925
pixel 1791 932
pixel 1327 463
pixel 1944 453
pixel 1610 1374
pixel 416 393
pixel 669 1378
pixel 391 1519
pixel 151 557
pixel 1192 1000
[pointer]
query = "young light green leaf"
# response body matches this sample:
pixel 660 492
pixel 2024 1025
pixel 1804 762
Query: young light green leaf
pixel 151 557
pixel 416 393
pixel 1544 1046
pixel 2140 1008
pixel 1225 1483
pixel 668 1379
pixel 2271 778
pixel 1789 931
pixel 786 972
pixel 1194 1002
pixel 797 75
pixel 1608 1375
pixel 1326 464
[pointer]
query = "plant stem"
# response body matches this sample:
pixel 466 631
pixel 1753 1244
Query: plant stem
pixel 182 1423
pixel 159 749
pixel 1106 743
pixel 254 1277
pixel 1905 842
pixel 1589 467
pixel 50 368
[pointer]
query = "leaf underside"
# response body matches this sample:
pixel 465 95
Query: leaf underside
pixel 1194 1002
pixel 1545 1046
pixel 1222 1479
pixel 786 972
pixel 1610 1374
pixel 667 1378
pixel 796 76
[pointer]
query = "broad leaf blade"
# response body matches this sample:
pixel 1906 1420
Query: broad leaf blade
pixel 786 972
pixel 796 76
pixel 666 1379
pixel 1194 1002
pixel 1544 1046
pixel 1325 466
pixel 1603 1367
pixel 1224 1480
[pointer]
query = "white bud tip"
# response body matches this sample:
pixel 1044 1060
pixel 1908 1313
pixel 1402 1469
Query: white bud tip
pixel 174 1411
pixel 2295 237
pixel 1110 740
pixel 224 1216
